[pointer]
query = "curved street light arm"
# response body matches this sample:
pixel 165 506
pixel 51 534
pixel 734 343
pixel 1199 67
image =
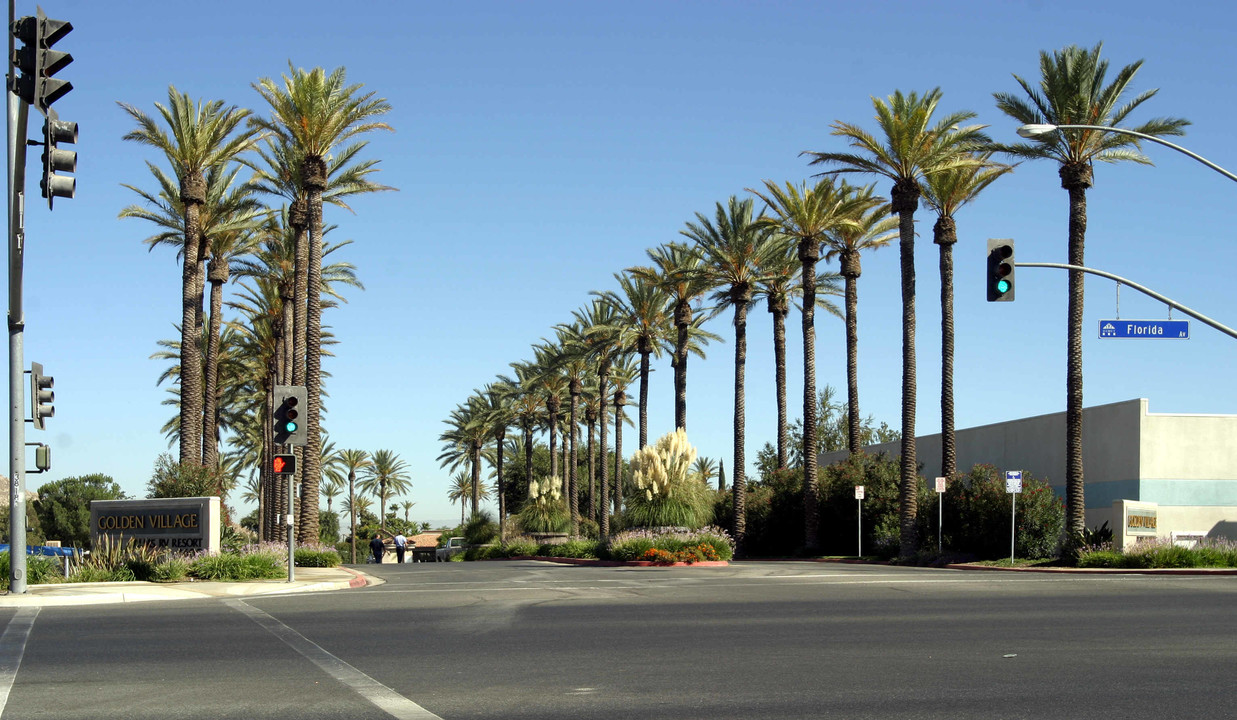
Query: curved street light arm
pixel 1034 130
pixel 1146 291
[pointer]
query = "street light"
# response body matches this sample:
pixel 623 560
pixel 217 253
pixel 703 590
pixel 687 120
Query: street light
pixel 1038 130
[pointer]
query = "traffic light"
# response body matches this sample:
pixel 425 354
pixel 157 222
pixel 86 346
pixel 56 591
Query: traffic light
pixel 289 414
pixel 1000 270
pixel 283 464
pixel 37 61
pixel 56 160
pixel 41 395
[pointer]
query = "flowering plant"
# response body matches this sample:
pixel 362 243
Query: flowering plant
pixel 663 491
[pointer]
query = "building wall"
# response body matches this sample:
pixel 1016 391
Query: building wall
pixel 1186 464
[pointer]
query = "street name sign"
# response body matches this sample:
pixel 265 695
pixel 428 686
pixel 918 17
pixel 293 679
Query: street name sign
pixel 1169 329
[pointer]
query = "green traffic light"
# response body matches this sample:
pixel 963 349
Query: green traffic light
pixel 1002 286
pixel 289 427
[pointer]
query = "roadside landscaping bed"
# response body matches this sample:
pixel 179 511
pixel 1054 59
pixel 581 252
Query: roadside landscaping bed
pixel 708 546
pixel 128 562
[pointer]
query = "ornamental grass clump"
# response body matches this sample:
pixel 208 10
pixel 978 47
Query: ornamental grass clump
pixel 664 493
pixel 546 510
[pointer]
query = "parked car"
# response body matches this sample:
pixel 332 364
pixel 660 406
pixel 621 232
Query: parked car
pixel 452 546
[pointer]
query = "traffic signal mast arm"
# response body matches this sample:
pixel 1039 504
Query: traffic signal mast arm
pixel 1145 291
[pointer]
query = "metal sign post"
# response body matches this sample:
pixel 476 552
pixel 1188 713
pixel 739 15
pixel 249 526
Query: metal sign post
pixel 859 515
pixel 940 511
pixel 1013 486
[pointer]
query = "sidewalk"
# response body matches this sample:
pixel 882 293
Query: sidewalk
pixel 67 594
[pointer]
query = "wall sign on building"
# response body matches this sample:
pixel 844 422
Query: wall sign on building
pixel 188 524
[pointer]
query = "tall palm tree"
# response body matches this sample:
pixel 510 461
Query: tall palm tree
pixel 648 327
pixel 603 343
pixel 575 366
pixel 198 136
pixel 872 229
pixel 353 462
pixel 912 147
pixel 552 384
pixel 736 248
pixel 622 374
pixel 1073 90
pixel 467 434
pixel 498 417
pixel 460 491
pixel 678 270
pixel 315 113
pixel 385 477
pixel 807 215
pixel 946 192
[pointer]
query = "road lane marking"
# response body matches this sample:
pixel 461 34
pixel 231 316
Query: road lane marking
pixel 12 648
pixel 381 696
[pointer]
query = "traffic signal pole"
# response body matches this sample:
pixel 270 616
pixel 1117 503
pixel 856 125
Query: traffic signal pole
pixel 1144 290
pixel 18 112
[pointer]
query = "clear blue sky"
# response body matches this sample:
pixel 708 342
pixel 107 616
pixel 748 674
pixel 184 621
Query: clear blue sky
pixel 541 147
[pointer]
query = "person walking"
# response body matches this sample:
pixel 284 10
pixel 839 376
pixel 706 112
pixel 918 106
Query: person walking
pixel 376 546
pixel 401 544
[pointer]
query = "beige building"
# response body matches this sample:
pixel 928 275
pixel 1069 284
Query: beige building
pixel 1147 474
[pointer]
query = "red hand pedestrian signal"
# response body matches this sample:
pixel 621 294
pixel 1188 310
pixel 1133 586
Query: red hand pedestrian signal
pixel 283 464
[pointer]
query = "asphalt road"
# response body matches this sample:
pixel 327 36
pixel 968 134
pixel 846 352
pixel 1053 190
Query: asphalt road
pixel 517 640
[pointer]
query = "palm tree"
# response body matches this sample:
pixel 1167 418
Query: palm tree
pixel 913 147
pixel 498 416
pixel 552 385
pixel 736 247
pixel 705 469
pixel 622 374
pixel 352 462
pixel 603 343
pixel 199 136
pixel 575 367
pixel 315 113
pixel 460 491
pixel 679 271
pixel 648 327
pixel 872 229
pixel 469 431
pixel 385 477
pixel 1072 90
pixel 946 192
pixel 807 215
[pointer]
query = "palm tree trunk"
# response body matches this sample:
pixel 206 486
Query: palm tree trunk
pixel 382 505
pixel 644 399
pixel 850 271
pixel 740 420
pixel 592 470
pixel 352 510
pixel 528 452
pixel 682 320
pixel 192 195
pixel 501 486
pixel 809 254
pixel 573 498
pixel 476 478
pixel 315 181
pixel 218 275
pixel 620 398
pixel 603 519
pixel 552 410
pixel 1075 500
pixel 905 201
pixel 946 235
pixel 780 310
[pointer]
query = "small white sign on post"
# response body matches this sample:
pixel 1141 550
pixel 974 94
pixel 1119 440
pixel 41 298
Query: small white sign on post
pixel 940 484
pixel 858 492
pixel 1013 485
pixel 940 512
pixel 859 517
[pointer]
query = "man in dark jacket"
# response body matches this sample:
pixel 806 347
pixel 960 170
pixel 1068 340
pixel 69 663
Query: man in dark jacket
pixel 377 546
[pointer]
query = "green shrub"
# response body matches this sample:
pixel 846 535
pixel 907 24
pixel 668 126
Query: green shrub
pixel 89 573
pixel 315 556
pixel 171 568
pixel 40 570
pixel 636 544
pixel 880 476
pixel 544 514
pixel 578 549
pixel 258 565
pixel 977 516
pixel 520 546
pixel 480 530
